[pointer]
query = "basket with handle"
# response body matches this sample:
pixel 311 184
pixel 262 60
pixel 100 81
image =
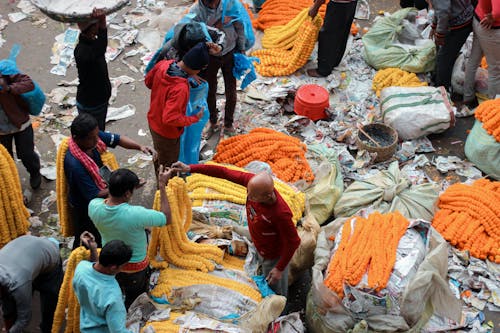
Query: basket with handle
pixel 386 136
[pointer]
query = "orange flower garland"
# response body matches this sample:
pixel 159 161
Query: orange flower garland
pixel 369 248
pixel 280 12
pixel 488 113
pixel 469 218
pixel 285 154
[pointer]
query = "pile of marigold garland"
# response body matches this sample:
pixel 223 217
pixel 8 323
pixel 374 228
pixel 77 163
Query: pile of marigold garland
pixel 192 261
pixel 202 187
pixel 107 158
pixel 285 154
pixel 281 61
pixel 488 113
pixel 367 246
pixel 13 213
pixel 469 218
pixel 391 77
pixel 280 12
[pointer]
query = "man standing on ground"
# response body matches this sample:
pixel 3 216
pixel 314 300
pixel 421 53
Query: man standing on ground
pixel 94 88
pixel 116 219
pixel 98 292
pixel 15 123
pixel 269 220
pixel 29 263
pixel 334 33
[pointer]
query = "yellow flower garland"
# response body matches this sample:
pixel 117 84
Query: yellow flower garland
pixel 13 213
pixel 107 158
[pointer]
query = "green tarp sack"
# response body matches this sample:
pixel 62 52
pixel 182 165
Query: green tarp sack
pixel 483 150
pixel 382 50
pixel 389 191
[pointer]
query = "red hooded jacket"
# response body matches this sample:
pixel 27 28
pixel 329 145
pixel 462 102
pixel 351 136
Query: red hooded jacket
pixel 169 99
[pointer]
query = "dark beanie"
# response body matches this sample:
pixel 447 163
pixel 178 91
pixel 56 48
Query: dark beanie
pixel 197 57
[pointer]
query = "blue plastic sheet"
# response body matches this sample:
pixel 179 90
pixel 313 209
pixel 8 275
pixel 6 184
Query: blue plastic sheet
pixel 34 98
pixel 236 10
pixel 243 66
pixel 261 283
pixel 191 138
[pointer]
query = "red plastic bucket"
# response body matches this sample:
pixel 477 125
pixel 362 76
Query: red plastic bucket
pixel 311 101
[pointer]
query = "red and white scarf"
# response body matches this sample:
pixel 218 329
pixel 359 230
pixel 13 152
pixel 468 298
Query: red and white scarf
pixel 88 163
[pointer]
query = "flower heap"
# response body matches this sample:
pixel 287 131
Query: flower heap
pixel 107 158
pixel 286 61
pixel 367 246
pixel 202 187
pixel 488 113
pixel 469 218
pixel 67 305
pixel 391 77
pixel 281 12
pixel 192 261
pixel 285 154
pixel 13 213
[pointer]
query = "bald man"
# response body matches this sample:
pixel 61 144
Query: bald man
pixel 269 220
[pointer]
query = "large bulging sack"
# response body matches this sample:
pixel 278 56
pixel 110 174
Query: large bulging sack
pixel 389 191
pixel 383 47
pixel 483 150
pixel 415 112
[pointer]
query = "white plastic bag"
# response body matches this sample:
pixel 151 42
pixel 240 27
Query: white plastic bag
pixel 415 112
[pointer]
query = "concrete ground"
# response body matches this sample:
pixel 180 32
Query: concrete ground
pixel 34 58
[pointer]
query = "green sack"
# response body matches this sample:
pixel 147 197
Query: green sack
pixel 381 49
pixel 328 184
pixel 389 191
pixel 483 150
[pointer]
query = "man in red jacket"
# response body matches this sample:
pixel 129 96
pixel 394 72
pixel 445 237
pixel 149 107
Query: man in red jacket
pixel 168 81
pixel 269 220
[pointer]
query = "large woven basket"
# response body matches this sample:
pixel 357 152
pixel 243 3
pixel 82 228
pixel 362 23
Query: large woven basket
pixel 74 17
pixel 388 140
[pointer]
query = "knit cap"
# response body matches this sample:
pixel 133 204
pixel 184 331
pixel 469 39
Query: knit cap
pixel 197 58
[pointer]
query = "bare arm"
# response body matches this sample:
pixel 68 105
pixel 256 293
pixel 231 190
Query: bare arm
pixel 164 175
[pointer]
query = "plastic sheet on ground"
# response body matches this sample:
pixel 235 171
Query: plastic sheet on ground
pixel 454 163
pixel 192 322
pixel 421 295
pixel 120 113
pixel 63 51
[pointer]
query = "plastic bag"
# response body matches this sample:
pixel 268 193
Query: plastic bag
pixel 189 152
pixel 328 184
pixel 425 293
pixel 34 98
pixel 243 65
pixel 483 150
pixel 415 112
pixel 458 77
pixel 382 51
pixel 389 191
pixel 236 10
pixel 260 281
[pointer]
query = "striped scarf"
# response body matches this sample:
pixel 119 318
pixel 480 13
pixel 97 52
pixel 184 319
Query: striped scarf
pixel 88 163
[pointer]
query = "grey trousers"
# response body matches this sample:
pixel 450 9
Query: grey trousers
pixel 471 67
pixel 281 287
pixel 489 39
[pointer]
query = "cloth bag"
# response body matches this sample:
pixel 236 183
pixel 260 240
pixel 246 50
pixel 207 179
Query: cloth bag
pixel 483 150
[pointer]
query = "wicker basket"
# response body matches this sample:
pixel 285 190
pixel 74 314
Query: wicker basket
pixel 77 17
pixel 388 140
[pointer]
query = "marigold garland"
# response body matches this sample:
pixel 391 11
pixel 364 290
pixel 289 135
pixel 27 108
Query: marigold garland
pixel 68 307
pixel 390 77
pixel 285 154
pixel 281 12
pixel 281 61
pixel 13 214
pixel 107 158
pixel 488 113
pixel 164 326
pixel 368 248
pixel 469 218
pixel 202 187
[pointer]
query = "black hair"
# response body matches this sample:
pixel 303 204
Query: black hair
pixel 82 125
pixel 115 253
pixel 121 181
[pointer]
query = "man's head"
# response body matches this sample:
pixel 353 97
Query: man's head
pixel 84 131
pixel 261 189
pixel 89 29
pixel 114 255
pixel 122 183
pixel 196 59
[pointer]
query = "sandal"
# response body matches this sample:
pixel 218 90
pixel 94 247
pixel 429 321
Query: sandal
pixel 207 134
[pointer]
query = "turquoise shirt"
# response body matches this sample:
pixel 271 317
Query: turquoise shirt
pixel 126 223
pixel 101 303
